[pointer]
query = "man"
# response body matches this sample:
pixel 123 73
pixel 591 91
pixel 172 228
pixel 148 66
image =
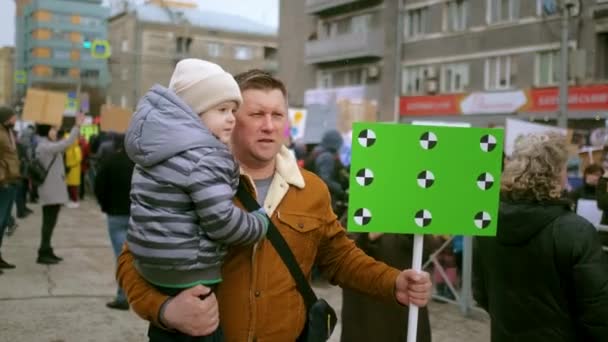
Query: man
pixel 112 188
pixel 9 172
pixel 258 299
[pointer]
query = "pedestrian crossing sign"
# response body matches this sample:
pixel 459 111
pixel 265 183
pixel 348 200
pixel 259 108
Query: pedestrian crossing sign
pixel 100 49
pixel 424 179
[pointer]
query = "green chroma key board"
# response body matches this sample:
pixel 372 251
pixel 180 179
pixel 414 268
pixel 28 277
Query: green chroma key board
pixel 424 179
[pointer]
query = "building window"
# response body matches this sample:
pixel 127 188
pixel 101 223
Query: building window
pixel 85 55
pixel 499 11
pixel 547 66
pixel 61 72
pixel 324 80
pixel 182 45
pixel 62 18
pixel 61 35
pixel 500 73
pixel 414 80
pixel 455 15
pixel 546 7
pixel 454 77
pixel 124 47
pixel 90 74
pixel 602 55
pixel 87 21
pixel 214 49
pixel 361 23
pixel 416 22
pixel 61 54
pixel 243 52
pixel 348 77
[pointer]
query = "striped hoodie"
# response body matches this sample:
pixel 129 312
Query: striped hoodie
pixel 182 214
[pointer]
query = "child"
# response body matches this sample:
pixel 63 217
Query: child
pixel 182 214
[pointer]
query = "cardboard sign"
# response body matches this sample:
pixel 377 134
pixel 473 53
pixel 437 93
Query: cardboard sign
pixel 44 107
pixel 297 122
pixel 424 180
pixel 351 111
pixel 516 128
pixel 115 119
pixel 589 210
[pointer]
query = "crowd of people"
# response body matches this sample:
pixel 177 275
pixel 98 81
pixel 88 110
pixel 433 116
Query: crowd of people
pixel 68 163
pixel 175 187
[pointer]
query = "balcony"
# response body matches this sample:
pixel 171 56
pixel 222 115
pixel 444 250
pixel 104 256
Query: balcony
pixel 95 82
pixel 319 6
pixel 346 46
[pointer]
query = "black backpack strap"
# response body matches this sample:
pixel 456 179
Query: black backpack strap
pixel 282 248
pixel 50 165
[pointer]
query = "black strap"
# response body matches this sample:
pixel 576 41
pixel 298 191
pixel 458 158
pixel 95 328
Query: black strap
pixel 281 247
pixel 50 165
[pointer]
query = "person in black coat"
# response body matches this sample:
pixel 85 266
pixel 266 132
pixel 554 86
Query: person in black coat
pixel 367 319
pixel 112 189
pixel 544 276
pixel 588 190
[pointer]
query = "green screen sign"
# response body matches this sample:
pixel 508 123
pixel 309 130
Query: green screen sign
pixel 424 179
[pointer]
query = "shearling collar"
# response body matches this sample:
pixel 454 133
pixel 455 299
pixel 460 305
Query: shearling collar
pixel 287 167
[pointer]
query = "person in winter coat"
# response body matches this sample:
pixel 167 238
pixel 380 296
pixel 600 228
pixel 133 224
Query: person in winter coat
pixel 29 141
pixel 112 189
pixel 53 192
pixel 327 165
pixel 588 190
pixel 9 172
pixel 183 217
pixel 365 319
pixel 544 276
pixel 73 162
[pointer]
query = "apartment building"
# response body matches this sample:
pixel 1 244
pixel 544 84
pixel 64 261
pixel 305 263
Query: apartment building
pixel 54 42
pixel 482 61
pixel 149 39
pixel 331 50
pixel 7 54
pixel 476 61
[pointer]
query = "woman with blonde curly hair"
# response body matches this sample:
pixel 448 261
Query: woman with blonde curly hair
pixel 544 276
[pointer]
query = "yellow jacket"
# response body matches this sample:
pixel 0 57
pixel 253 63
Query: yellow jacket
pixel 73 159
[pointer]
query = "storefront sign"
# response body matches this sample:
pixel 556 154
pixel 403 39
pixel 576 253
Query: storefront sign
pixel 579 99
pixel 493 103
pixel 430 105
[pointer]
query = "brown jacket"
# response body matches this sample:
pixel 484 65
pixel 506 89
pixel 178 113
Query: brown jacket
pixel 9 161
pixel 258 299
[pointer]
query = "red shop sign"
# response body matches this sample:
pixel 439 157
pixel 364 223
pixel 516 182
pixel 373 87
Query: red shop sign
pixel 430 105
pixel 579 98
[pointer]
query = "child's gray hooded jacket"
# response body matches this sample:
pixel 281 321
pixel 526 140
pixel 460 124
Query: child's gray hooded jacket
pixel 182 214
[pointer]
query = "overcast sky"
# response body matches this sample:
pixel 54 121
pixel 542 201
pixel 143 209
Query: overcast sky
pixel 263 11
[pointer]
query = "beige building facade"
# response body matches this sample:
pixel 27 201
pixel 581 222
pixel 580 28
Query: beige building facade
pixel 7 55
pixel 148 40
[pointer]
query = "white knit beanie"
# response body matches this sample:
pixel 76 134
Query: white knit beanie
pixel 203 85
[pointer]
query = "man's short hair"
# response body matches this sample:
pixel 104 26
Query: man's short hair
pixel 260 80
